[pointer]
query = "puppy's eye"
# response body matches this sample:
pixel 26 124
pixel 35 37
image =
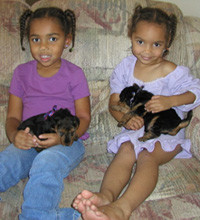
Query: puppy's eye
pixel 61 133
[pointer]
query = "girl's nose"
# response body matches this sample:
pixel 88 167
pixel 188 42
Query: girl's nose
pixel 147 49
pixel 43 45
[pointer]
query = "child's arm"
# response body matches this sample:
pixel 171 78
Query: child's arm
pixel 134 123
pixel 21 139
pixel 161 103
pixel 82 108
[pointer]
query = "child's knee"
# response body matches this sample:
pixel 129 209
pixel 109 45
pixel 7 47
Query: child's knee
pixel 52 161
pixel 45 161
pixel 146 157
pixel 127 148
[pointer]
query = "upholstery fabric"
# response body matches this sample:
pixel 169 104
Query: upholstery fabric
pixel 101 43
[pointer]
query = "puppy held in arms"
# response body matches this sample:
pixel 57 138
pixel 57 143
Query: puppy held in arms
pixel 59 121
pixel 132 103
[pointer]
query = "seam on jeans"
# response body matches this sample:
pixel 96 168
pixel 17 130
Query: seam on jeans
pixel 76 215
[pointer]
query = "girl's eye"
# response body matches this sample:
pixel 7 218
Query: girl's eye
pixel 157 45
pixel 140 42
pixel 52 39
pixel 35 40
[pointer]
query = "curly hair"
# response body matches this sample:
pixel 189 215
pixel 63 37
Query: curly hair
pixel 66 19
pixel 154 15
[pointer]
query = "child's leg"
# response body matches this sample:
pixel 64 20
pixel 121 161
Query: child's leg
pixel 140 187
pixel 43 191
pixel 115 179
pixel 14 165
pixel 145 178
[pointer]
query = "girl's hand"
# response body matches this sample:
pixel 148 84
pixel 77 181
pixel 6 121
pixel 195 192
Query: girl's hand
pixel 24 140
pixel 49 140
pixel 158 103
pixel 135 123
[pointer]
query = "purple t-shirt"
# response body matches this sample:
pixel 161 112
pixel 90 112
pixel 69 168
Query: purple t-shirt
pixel 40 94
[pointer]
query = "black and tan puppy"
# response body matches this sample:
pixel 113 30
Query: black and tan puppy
pixel 61 122
pixel 132 102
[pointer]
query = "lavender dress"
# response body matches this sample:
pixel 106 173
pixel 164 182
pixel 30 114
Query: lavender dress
pixel 177 82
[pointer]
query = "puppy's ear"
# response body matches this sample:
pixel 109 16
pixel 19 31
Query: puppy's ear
pixel 136 87
pixel 77 121
pixel 54 129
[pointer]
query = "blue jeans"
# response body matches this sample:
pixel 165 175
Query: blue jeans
pixel 46 171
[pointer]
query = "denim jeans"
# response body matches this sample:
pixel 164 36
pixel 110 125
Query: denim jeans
pixel 46 171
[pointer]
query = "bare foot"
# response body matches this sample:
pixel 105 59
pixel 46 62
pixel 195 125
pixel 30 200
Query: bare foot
pixel 87 198
pixel 111 211
pixel 93 213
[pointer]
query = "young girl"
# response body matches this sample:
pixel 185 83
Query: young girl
pixel 35 88
pixel 151 32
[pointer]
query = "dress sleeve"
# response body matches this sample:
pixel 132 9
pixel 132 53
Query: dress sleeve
pixel 121 75
pixel 183 81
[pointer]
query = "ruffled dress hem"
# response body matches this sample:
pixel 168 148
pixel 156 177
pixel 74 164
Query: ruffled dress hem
pixel 168 142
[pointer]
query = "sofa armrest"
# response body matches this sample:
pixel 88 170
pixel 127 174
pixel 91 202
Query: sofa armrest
pixel 193 133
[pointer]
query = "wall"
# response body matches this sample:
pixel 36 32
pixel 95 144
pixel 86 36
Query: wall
pixel 30 2
pixel 188 7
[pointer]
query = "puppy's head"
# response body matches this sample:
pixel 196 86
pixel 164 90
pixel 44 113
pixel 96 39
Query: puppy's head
pixel 66 126
pixel 66 129
pixel 141 95
pixel 134 94
pixel 127 94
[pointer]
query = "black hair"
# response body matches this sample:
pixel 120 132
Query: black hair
pixel 66 19
pixel 154 15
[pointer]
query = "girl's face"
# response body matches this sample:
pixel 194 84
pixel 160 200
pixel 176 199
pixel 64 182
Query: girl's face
pixel 47 41
pixel 149 42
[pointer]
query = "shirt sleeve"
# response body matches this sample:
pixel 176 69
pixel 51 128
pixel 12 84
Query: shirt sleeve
pixel 15 84
pixel 183 81
pixel 79 85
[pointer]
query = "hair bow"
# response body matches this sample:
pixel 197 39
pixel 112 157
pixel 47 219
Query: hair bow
pixel 50 113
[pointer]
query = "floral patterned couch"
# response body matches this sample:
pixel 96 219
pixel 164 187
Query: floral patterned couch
pixel 101 43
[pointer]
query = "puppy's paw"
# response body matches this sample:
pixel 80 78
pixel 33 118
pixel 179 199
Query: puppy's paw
pixel 143 139
pixel 119 108
pixel 116 108
pixel 120 124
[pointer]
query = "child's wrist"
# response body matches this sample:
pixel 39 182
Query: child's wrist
pixel 172 101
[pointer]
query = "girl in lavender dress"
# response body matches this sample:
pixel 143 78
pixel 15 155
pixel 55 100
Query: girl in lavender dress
pixel 151 31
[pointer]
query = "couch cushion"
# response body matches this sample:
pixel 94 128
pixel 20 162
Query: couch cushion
pixel 192 132
pixel 183 207
pixel 178 177
pixel 3 113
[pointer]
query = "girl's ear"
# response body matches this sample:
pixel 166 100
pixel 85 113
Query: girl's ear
pixel 68 40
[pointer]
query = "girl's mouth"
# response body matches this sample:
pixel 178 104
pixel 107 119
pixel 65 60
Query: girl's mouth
pixel 146 58
pixel 44 58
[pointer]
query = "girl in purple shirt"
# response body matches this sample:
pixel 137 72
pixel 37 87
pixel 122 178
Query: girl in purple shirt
pixel 35 88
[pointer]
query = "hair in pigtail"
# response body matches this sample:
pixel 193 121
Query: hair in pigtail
pixel 71 24
pixel 172 25
pixel 66 19
pixel 134 20
pixel 154 15
pixel 23 20
pixel 171 28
